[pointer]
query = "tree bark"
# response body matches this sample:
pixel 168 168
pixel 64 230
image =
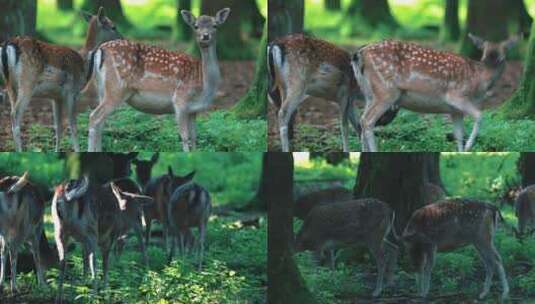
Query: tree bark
pixel 526 165
pixel 332 5
pixel 285 283
pixel 184 31
pixel 451 29
pixel 65 5
pixel 254 103
pixel 113 9
pixel 525 20
pixel 373 13
pixel 522 103
pixel 432 170
pixel 256 19
pixel 17 18
pixel 395 178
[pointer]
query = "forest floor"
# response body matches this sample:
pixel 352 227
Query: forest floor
pixel 317 123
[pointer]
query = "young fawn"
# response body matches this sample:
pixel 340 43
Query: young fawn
pixel 32 68
pixel 427 81
pixel 450 224
pixel 301 66
pixel 157 81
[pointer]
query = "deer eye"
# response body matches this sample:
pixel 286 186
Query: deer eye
pixel 196 27
pixel 215 26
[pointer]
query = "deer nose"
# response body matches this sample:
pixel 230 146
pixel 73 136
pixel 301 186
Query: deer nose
pixel 205 37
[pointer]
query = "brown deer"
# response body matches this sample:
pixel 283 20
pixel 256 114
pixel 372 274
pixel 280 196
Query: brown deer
pixel 144 169
pixel 450 224
pixel 94 215
pixel 157 81
pixel 365 222
pixel 32 68
pixel 189 206
pixel 301 66
pixel 427 81
pixel 525 211
pixel 304 204
pixel 21 221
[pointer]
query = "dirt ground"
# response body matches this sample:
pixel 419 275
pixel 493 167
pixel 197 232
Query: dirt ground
pixel 323 114
pixel 237 76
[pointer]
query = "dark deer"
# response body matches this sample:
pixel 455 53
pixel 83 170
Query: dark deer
pixel 144 169
pixel 21 221
pixel 450 224
pixel 304 204
pixel 525 211
pixel 365 222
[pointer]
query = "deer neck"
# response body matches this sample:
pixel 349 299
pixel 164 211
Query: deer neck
pixel 211 75
pixel 489 75
pixel 90 41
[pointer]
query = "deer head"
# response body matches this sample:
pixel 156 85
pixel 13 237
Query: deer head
pixel 493 52
pixel 205 27
pixel 144 168
pixel 101 29
pixel 176 181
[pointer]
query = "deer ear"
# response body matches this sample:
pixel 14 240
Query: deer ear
pixel 87 16
pixel 189 177
pixel 188 17
pixel 101 15
pixel 478 42
pixel 511 42
pixel 222 15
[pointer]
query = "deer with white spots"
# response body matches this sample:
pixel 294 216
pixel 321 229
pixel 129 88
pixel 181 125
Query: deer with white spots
pixel 301 66
pixel 157 81
pixel 32 68
pixel 427 81
pixel 450 224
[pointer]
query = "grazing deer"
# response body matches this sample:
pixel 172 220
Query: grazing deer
pixel 160 189
pixel 304 204
pixel 365 222
pixel 433 193
pixel 157 81
pixel 450 224
pixel 21 221
pixel 189 206
pixel 32 68
pixel 144 168
pixel 94 216
pixel 301 66
pixel 427 81
pixel 525 211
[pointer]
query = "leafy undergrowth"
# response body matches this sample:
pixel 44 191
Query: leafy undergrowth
pixel 413 132
pixel 130 130
pixel 233 272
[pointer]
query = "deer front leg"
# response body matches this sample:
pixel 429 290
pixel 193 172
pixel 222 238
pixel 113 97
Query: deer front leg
pixel 105 263
pixel 344 103
pixel 71 116
pixel 458 130
pixel 36 240
pixel 375 108
pixel 2 263
pixel 193 131
pixel 182 121
pixel 501 272
pixel 97 118
pixel 57 107
pixel 288 107
pixel 379 255
pixel 468 108
pixel 428 269
pixel 202 238
pixel 13 255
pixel 23 99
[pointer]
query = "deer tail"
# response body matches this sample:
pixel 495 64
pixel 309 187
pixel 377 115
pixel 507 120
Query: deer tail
pixel 392 231
pixel 95 59
pixel 10 56
pixel 275 62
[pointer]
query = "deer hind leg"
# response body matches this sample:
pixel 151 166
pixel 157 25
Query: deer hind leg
pixel 468 108
pixel 501 272
pixel 57 106
pixel 13 255
pixel 344 103
pixel 35 242
pixel 428 269
pixel 193 131
pixel 458 130
pixel 379 255
pixel 202 238
pixel 111 100
pixel 105 250
pixel 375 108
pixel 138 230
pixel 17 110
pixel 293 99
pixel 71 116
pixel 2 263
pixel 486 255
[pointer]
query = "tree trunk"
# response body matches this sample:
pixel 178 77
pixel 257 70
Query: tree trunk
pixel 525 20
pixel 230 43
pixel 254 103
pixel 487 19
pixel 285 283
pixel 373 13
pixel 451 30
pixel 526 165
pixel 333 5
pixel 17 17
pixel 432 170
pixel 184 30
pixel 395 178
pixel 112 8
pixel 522 103
pixel 259 201
pixel 65 5
pixel 256 19
pixel 286 17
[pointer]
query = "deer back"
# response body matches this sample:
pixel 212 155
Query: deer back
pixel 189 206
pixel 307 202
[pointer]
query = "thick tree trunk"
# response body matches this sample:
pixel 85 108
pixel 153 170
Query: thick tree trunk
pixel 373 12
pixel 487 19
pixel 522 103
pixel 256 19
pixel 113 9
pixel 184 30
pixel 432 170
pixel 333 5
pixel 260 199
pixel 395 178
pixel 526 165
pixel 17 17
pixel 285 284
pixel 65 5
pixel 254 103
pixel 524 19
pixel 451 29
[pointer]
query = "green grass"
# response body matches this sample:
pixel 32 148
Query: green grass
pixel 412 132
pixel 478 175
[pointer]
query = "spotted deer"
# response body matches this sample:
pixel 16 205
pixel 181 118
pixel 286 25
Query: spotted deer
pixel 95 216
pixel 365 222
pixel 525 211
pixel 21 221
pixel 450 224
pixel 144 168
pixel 157 81
pixel 304 204
pixel 427 81
pixel 301 66
pixel 32 68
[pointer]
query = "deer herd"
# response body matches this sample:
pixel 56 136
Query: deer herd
pixel 113 71
pixel 332 219
pixel 101 217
